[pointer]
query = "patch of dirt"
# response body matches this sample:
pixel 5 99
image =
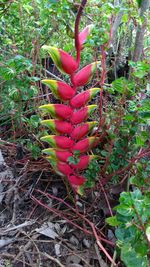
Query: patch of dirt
pixel 43 224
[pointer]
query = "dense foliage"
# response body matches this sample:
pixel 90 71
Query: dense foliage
pixel 123 114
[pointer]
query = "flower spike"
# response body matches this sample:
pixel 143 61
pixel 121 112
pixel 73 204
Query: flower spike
pixel 68 122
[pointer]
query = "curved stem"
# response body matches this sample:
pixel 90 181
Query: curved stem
pixel 77 44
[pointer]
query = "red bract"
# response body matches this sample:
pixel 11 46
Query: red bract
pixel 63 155
pixel 58 126
pixel 63 127
pixel 60 90
pixel 83 162
pixel 82 114
pixel 63 61
pixel 81 130
pixel 84 33
pixel 76 180
pixel 85 144
pixel 60 167
pixel 69 65
pixel 79 116
pixel 57 110
pixel 59 155
pixel 84 75
pixel 61 142
pixel 81 99
pixel 64 168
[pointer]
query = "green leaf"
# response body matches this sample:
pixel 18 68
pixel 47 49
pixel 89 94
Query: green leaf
pixel 139 73
pixel 127 233
pixel 112 221
pixel 139 140
pixel 125 18
pixel 73 160
pixel 139 2
pixel 76 153
pixel 7 73
pixel 104 153
pixel 89 184
pixel 129 117
pixel 122 85
pixel 131 258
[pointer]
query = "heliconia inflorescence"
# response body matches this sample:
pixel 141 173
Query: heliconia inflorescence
pixel 69 125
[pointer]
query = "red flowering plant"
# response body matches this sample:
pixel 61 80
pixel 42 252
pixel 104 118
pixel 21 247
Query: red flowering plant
pixel 69 124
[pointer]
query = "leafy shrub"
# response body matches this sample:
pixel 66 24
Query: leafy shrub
pixel 132 221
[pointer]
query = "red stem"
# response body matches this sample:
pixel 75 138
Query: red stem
pixel 77 44
pixel 106 198
pixel 74 210
pixel 101 247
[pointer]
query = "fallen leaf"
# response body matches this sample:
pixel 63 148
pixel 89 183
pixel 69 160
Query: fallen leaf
pixel 47 229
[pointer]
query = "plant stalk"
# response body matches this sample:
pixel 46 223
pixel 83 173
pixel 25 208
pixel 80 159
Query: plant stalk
pixel 77 21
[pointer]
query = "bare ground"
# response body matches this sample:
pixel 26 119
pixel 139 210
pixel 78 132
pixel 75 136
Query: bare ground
pixel 43 224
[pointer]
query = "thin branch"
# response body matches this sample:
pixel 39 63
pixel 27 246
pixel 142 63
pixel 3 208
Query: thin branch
pixel 106 198
pixel 101 246
pixel 53 75
pixel 132 161
pixel 74 210
pixel 98 238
